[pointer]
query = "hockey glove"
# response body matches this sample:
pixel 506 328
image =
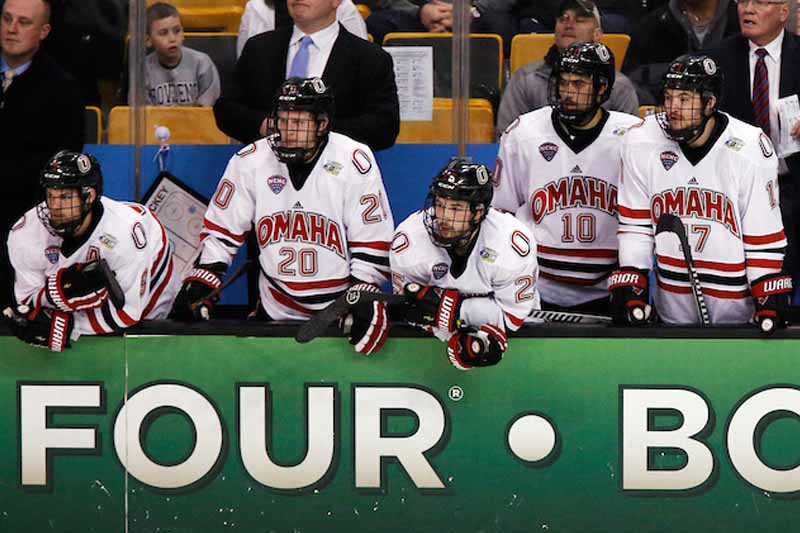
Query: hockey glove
pixel 470 347
pixel 629 297
pixel 433 306
pixel 77 287
pixel 366 325
pixel 199 293
pixel 45 328
pixel 771 297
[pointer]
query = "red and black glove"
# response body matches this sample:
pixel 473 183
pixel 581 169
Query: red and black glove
pixel 77 287
pixel 43 328
pixel 771 296
pixel 630 294
pixel 367 325
pixel 433 306
pixel 470 347
pixel 198 294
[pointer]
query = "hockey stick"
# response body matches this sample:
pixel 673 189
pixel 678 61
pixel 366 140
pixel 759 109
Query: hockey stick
pixel 568 318
pixel 115 292
pixel 668 223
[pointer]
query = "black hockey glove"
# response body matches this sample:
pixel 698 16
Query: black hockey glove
pixel 629 296
pixel 197 296
pixel 771 297
pixel 47 328
pixel 433 306
pixel 77 287
pixel 470 347
pixel 367 325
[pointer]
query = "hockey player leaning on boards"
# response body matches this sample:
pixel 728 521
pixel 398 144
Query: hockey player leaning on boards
pixel 558 169
pixel 60 248
pixel 468 271
pixel 319 208
pixel 719 175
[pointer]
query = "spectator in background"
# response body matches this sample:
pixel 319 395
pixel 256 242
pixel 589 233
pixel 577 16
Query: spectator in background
pixel 578 21
pixel 488 16
pixel 761 66
pixel 41 112
pixel 259 16
pixel 175 75
pixel 677 28
pixel 359 72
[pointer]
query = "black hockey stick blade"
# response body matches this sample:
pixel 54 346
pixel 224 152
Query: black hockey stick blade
pixel 115 292
pixel 669 223
pixel 317 324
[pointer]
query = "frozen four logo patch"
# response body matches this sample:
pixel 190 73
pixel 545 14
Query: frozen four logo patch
pixel 51 253
pixel 548 151
pixel 439 270
pixel 668 159
pixel 276 183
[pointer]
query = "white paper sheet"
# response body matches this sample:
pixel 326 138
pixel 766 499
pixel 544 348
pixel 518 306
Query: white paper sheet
pixel 788 115
pixel 413 72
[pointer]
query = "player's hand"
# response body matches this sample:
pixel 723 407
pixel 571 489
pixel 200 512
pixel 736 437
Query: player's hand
pixel 771 297
pixel 199 293
pixel 43 328
pixel 629 289
pixel 470 347
pixel 77 287
pixel 796 128
pixel 433 15
pixel 367 325
pixel 433 306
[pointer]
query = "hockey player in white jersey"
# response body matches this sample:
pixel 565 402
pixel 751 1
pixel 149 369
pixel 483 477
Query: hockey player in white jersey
pixel 558 169
pixel 719 175
pixel 318 205
pixel 468 271
pixel 57 246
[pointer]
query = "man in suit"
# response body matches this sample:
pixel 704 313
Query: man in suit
pixel 751 92
pixel 360 73
pixel 41 112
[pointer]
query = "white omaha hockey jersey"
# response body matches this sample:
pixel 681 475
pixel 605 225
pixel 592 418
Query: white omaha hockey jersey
pixel 728 203
pixel 501 268
pixel 568 198
pixel 312 242
pixel 133 242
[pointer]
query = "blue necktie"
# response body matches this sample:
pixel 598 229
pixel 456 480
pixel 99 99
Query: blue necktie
pixel 300 64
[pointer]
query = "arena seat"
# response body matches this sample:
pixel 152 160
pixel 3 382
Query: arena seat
pixel 486 61
pixel 530 47
pixel 645 110
pixel 364 10
pixel 209 15
pixel 94 125
pixel 440 129
pixel 187 125
pixel 220 47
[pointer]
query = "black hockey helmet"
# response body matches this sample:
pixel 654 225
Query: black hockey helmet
pixel 590 59
pixel 69 170
pixel 301 143
pixel 460 180
pixel 696 73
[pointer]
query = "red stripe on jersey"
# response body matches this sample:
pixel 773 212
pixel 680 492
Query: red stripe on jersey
pixel 765 263
pixel 288 302
pixel 157 294
pixel 125 317
pixel 515 321
pixel 90 314
pixel 764 239
pixel 574 281
pixel 163 249
pixel 308 285
pixel 210 225
pixel 578 252
pixel 711 265
pixel 708 291
pixel 633 213
pixel 139 209
pixel 375 245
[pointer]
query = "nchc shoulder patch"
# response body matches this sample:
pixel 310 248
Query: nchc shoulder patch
pixel 361 161
pixel 247 150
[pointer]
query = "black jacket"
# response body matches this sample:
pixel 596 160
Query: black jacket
pixel 360 73
pixel 41 113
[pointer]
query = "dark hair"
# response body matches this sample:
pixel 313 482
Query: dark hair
pixel 158 11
